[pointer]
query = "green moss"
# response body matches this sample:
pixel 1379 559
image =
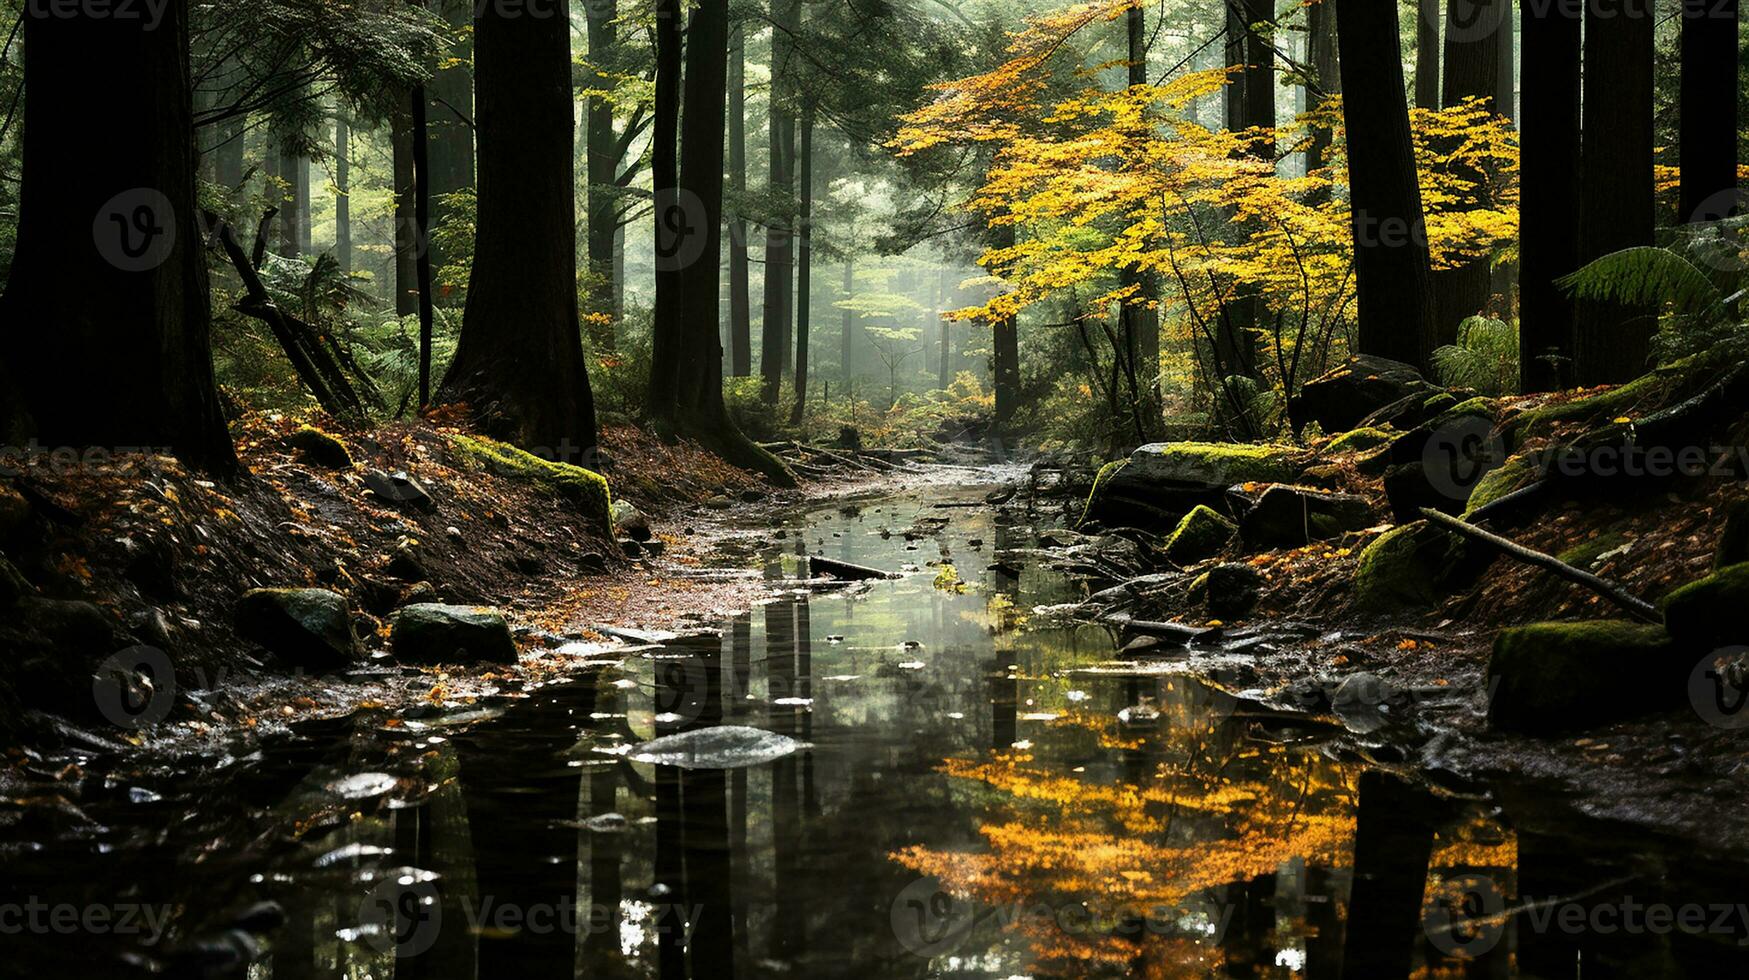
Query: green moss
pixel 1435 404
pixel 320 447
pixel 1407 567
pixel 586 489
pixel 1105 473
pixel 1358 440
pixel 1558 676
pixel 1200 535
pixel 1511 475
pixel 1625 400
pixel 1583 554
pixel 1708 613
pixel 1218 463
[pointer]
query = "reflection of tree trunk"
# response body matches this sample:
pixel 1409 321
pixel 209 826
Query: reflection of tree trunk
pixel 1004 706
pixel 1393 840
pixel 1323 925
pixel 780 657
pixel 1249 944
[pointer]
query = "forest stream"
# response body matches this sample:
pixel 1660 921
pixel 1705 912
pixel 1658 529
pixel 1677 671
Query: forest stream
pixel 910 777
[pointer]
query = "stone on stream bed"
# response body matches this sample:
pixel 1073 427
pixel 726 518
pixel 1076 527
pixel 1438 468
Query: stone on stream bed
pixel 433 633
pixel 718 747
pixel 1339 399
pixel 1412 566
pixel 1287 516
pixel 1233 591
pixel 1552 677
pixel 1163 481
pixel 309 628
pixel 1200 535
pixel 1709 613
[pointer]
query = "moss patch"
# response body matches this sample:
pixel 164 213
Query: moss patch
pixel 1200 535
pixel 1100 479
pixel 1515 473
pixel 1560 676
pixel 1407 567
pixel 1358 440
pixel 586 489
pixel 1708 614
pixel 1584 554
pixel 1217 463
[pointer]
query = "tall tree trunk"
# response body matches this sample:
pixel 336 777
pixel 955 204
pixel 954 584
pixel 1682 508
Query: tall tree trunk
pixel 675 228
pixel 342 191
pixel 1233 95
pixel 406 230
pixel 449 116
pixel 1506 81
pixel 1005 348
pixel 1427 20
pixel 1259 69
pixel 1472 70
pixel 779 256
pixel 228 155
pixel 944 376
pixel 1549 196
pixel 1393 281
pixel 1321 40
pixel 847 336
pixel 104 322
pixel 519 361
pixel 601 162
pixel 1617 206
pixel 740 309
pixel 1140 322
pixel 422 234
pixel 1708 141
pixel 804 264
pixel 294 214
pixel 699 369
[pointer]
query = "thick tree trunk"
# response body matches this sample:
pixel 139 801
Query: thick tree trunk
pixel 1321 31
pixel 1506 79
pixel 676 230
pixel 1617 206
pixel 1472 70
pixel 805 263
pixel 601 163
pixel 422 235
pixel 1708 140
pixel 406 233
pixel 779 255
pixel 449 117
pixel 294 214
pixel 519 362
pixel 1259 70
pixel 1140 322
pixel 1427 20
pixel 228 154
pixel 342 192
pixel 1549 196
pixel 1005 350
pixel 104 322
pixel 740 309
pixel 1393 286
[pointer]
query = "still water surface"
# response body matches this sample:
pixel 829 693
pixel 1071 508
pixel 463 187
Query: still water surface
pixel 975 795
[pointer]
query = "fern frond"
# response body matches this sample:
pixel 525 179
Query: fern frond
pixel 1644 276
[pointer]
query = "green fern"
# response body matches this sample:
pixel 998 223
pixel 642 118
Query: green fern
pixel 1646 276
pixel 1484 358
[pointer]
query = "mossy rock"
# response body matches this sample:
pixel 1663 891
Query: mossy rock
pixel 13 585
pixel 1436 404
pixel 586 489
pixel 433 633
pixel 319 448
pixel 1287 516
pixel 1514 474
pixel 1413 566
pixel 1552 677
pixel 1708 614
pixel 1100 479
pixel 1199 536
pixel 310 628
pixel 1214 464
pixel 1358 441
pixel 1644 394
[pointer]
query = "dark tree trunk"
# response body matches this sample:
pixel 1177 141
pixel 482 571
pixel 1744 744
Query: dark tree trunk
pixel 601 163
pixel 675 228
pixel 740 309
pixel 342 192
pixel 804 264
pixel 1708 101
pixel 406 234
pixel 779 250
pixel 1140 322
pixel 1617 206
pixel 519 362
pixel 1427 18
pixel 1321 39
pixel 1233 96
pixel 1393 286
pixel 847 338
pixel 294 214
pixel 422 235
pixel 944 376
pixel 1549 196
pixel 1005 349
pixel 449 118
pixel 1259 69
pixel 228 154
pixel 1506 81
pixel 104 323
pixel 1472 70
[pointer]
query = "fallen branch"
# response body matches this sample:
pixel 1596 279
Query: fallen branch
pixel 1603 587
pixel 845 570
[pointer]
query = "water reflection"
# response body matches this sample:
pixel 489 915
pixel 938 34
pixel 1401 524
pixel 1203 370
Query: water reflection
pixel 976 800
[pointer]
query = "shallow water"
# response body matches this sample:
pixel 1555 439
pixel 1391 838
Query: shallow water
pixel 922 781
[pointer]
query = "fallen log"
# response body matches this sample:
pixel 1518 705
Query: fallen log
pixel 848 571
pixel 1177 632
pixel 1512 549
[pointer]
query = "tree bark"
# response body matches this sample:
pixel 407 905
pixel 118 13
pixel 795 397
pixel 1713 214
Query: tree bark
pixel 601 163
pixel 422 235
pixel 1427 20
pixel 675 228
pixel 294 214
pixel 1617 205
pixel 342 191
pixel 1005 350
pixel 1140 321
pixel 1472 70
pixel 1707 143
pixel 449 115
pixel 519 362
pixel 406 234
pixel 804 264
pixel 779 254
pixel 740 309
pixel 1321 39
pixel 944 376
pixel 847 336
pixel 105 319
pixel 1392 276
pixel 1549 197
